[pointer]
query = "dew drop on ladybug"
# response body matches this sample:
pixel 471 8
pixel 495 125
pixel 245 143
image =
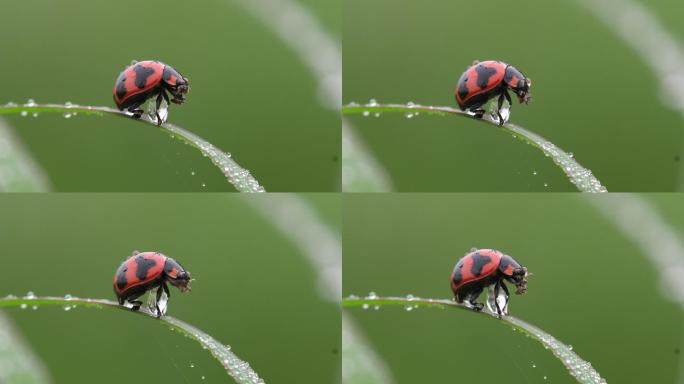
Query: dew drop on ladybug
pixel 489 269
pixel 149 271
pixel 487 80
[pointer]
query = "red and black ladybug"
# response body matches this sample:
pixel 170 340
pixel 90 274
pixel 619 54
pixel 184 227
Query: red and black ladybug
pixel 484 268
pixel 145 271
pixel 485 80
pixel 146 79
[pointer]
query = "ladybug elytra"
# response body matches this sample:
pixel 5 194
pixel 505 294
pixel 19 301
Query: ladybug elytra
pixel 484 268
pixel 145 271
pixel 486 80
pixel 147 79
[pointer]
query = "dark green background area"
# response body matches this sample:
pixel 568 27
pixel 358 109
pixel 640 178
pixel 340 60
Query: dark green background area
pixel 251 95
pixel 592 288
pixel 253 290
pixel 592 95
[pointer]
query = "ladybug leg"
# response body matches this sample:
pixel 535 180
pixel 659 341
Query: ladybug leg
pixel 508 98
pixel 478 111
pixel 166 289
pixel 498 110
pixel 156 110
pixel 497 288
pixel 137 112
pixel 469 300
pixel 156 303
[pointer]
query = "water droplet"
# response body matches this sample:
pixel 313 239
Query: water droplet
pixel 544 377
pixel 570 347
pixel 192 173
pixel 364 306
pixel 11 104
pixel 35 114
pixel 376 114
pixel 534 365
pixel 23 113
pixel 192 365
pixel 408 308
pixel 372 295
pixel 410 297
pixel 68 296
pixel 409 115
pixel 204 185
pixel 23 306
pixel 410 104
pixel 534 173
pixel 203 377
pixel 30 103
pixel 68 104
pixel 10 297
pixel 546 185
pixel 66 307
pixel 30 295
pixel 67 115
pixel 572 155
pixel 366 113
pixel 372 103
pixel 34 307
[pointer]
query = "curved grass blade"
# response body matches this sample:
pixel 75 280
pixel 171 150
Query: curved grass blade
pixel 583 179
pixel 236 368
pixel 582 370
pixel 19 172
pixel 239 177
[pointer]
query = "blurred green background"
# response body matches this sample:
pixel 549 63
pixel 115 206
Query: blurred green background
pixel 253 290
pixel 592 287
pixel 592 94
pixel 251 95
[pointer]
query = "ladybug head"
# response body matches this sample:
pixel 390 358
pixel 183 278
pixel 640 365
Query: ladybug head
pixel 518 83
pixel 177 275
pixel 514 273
pixel 179 90
pixel 523 91
pixel 176 84
pixel 519 278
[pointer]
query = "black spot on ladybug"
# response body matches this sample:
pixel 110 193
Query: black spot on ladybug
pixel 463 88
pixel 141 74
pixel 121 281
pixel 479 261
pixel 505 262
pixel 144 265
pixel 121 88
pixel 458 277
pixel 483 75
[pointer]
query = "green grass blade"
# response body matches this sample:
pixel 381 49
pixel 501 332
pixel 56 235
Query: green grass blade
pixel 234 366
pixel 239 177
pixel 582 370
pixel 583 179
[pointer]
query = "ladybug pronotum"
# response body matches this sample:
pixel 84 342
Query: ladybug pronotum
pixel 147 79
pixel 145 271
pixel 487 268
pixel 486 80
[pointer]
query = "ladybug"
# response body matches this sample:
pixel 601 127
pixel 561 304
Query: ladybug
pixel 485 80
pixel 145 271
pixel 146 79
pixel 484 268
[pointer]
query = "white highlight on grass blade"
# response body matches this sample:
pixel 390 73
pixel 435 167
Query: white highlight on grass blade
pixel 321 53
pixel 360 363
pixel 361 172
pixel 18 171
pixel 302 32
pixel 659 50
pixel 640 222
pixel 321 246
pixel 17 363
